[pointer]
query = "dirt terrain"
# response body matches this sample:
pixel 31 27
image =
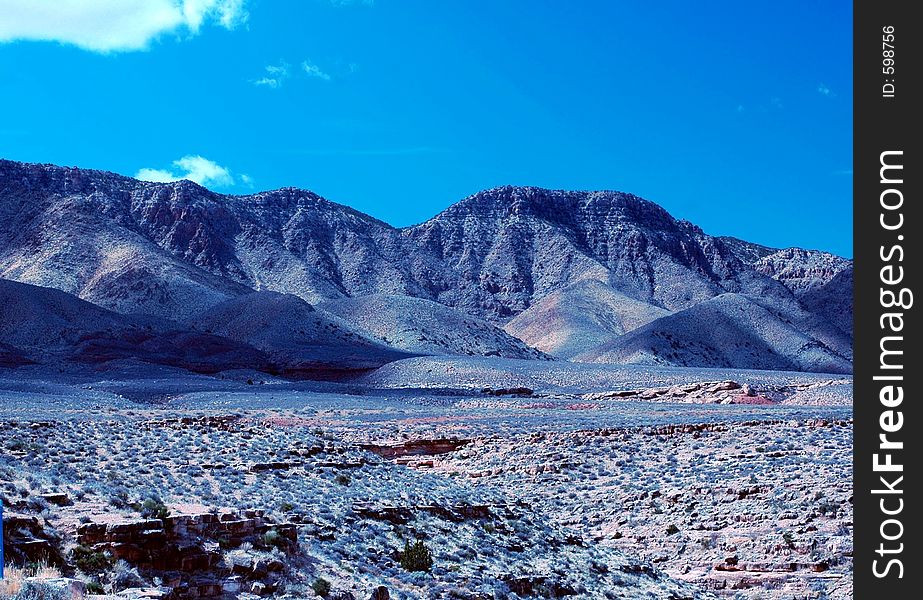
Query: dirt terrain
pixel 158 487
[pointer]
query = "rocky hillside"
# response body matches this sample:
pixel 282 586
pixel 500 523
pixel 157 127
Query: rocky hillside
pixel 176 250
pixel 292 333
pixel 426 327
pixel 723 332
pixel 581 317
pixel 45 325
pixel 264 331
pixel 821 281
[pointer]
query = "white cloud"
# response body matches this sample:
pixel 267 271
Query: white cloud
pixel 156 175
pixel 194 168
pixel 275 75
pixel 314 71
pixel 268 82
pixel 112 25
pixel 824 90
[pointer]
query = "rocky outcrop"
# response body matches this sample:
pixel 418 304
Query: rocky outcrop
pixel 416 448
pixel 27 540
pixel 400 515
pixel 712 392
pixel 188 550
pixel 802 270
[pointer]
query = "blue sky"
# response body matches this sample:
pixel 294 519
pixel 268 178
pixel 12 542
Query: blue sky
pixel 734 115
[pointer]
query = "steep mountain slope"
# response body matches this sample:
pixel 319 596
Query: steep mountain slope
pixel 294 334
pixel 426 327
pixel 729 330
pixel 580 317
pixel 821 281
pixel 833 300
pixel 124 242
pixel 176 249
pixel 509 247
pixel 47 325
pixel 74 230
pixel 747 252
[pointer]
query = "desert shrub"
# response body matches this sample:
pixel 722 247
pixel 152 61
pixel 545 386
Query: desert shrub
pixel 119 497
pixel 273 539
pixel 15 578
pixel 321 587
pixel 124 576
pixel 152 508
pixel 37 504
pixel 90 561
pixel 416 557
pixel 672 529
pixel 41 590
pixel 826 508
pixel 19 445
pixel 95 587
pixel 342 479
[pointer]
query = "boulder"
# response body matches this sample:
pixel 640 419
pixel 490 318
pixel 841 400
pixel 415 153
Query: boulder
pixel 380 593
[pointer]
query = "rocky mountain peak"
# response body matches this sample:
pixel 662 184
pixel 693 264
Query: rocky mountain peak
pixel 560 206
pixel 177 249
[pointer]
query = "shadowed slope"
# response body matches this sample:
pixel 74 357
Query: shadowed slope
pixel 730 330
pixel 297 337
pixel 47 325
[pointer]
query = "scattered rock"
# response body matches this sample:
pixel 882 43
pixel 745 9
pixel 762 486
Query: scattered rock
pixel 380 593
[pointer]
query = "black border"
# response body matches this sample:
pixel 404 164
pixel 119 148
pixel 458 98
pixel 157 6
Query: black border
pixel 885 124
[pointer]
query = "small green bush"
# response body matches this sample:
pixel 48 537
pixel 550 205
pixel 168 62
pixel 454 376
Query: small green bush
pixel 154 509
pixel 416 557
pixel 95 587
pixel 273 539
pixel 321 587
pixel 90 561
pixel 672 529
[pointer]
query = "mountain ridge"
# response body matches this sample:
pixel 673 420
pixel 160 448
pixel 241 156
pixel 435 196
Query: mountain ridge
pixel 177 249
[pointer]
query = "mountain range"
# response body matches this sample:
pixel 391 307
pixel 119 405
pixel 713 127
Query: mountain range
pixel 287 280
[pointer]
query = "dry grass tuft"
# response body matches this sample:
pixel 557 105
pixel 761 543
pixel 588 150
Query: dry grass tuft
pixel 11 583
pixel 14 577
